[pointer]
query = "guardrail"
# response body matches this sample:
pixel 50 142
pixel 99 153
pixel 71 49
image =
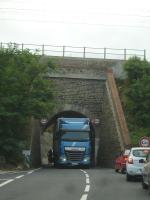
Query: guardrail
pixel 80 52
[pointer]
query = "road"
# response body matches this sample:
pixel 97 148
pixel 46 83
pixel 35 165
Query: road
pixel 69 184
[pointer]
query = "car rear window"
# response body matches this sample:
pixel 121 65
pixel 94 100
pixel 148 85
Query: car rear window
pixel 140 152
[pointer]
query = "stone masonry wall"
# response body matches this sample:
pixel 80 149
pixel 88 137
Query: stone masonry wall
pixel 87 66
pixel 84 93
pixel 80 86
pixel 110 144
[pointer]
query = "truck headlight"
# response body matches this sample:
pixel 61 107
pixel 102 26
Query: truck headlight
pixel 86 159
pixel 63 159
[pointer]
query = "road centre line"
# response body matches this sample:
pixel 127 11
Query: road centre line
pixel 87 181
pixel 87 176
pixel 83 171
pixel 84 197
pixel 6 182
pixel 87 186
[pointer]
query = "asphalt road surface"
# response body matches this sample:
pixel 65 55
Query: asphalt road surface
pixel 69 184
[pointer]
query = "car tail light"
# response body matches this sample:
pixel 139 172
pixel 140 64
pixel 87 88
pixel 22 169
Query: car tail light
pixel 130 160
pixel 126 159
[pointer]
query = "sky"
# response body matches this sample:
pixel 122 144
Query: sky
pixel 115 24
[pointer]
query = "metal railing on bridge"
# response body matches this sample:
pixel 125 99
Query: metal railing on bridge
pixel 79 52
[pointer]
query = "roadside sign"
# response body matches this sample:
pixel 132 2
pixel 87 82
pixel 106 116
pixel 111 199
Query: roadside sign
pixel 95 121
pixel 26 152
pixel 44 121
pixel 144 142
pixel 27 157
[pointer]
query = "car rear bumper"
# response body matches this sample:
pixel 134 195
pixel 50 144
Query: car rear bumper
pixel 134 170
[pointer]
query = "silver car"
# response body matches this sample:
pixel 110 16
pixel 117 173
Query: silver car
pixel 146 173
pixel 135 162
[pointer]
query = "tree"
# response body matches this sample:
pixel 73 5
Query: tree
pixel 24 92
pixel 137 96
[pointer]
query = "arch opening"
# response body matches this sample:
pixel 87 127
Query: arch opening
pixel 47 136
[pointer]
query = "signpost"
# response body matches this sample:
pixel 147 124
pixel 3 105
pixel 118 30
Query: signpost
pixel 144 142
pixel 27 157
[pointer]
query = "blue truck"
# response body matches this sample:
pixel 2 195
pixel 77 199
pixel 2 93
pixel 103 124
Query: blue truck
pixel 73 142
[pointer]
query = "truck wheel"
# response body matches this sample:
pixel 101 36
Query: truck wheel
pixel 128 177
pixel 87 166
pixel 93 163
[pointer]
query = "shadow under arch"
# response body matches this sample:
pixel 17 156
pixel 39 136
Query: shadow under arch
pixel 67 114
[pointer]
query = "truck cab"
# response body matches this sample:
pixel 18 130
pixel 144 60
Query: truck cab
pixel 73 142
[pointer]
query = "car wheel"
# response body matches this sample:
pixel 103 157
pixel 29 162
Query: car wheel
pixel 116 170
pixel 149 187
pixel 123 171
pixel 144 186
pixel 128 177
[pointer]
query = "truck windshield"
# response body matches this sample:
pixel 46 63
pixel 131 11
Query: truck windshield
pixel 75 136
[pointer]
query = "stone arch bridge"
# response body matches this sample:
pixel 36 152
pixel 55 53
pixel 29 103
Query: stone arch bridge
pixel 86 87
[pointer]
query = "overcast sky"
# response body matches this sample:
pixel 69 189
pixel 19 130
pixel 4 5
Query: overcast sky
pixel 94 23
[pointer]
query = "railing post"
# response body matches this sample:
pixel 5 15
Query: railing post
pixel 144 54
pixel 63 51
pixel 84 52
pixel 43 50
pixel 125 54
pixel 104 53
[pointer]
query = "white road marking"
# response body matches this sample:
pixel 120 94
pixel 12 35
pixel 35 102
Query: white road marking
pixel 84 197
pixel 30 172
pixel 6 182
pixel 87 176
pixel 14 172
pixel 37 169
pixel 17 172
pixel 19 176
pixel 87 188
pixel 87 181
pixel 82 171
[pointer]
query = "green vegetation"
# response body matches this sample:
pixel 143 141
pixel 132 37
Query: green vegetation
pixel 135 94
pixel 24 93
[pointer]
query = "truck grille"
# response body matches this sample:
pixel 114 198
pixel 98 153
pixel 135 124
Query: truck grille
pixel 74 155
